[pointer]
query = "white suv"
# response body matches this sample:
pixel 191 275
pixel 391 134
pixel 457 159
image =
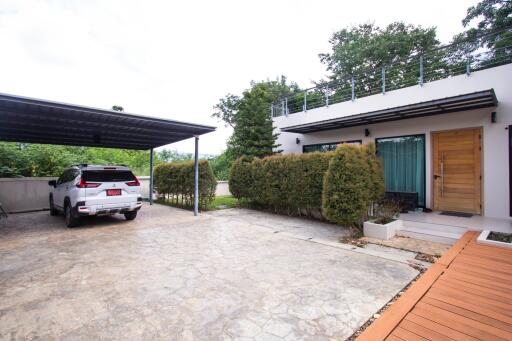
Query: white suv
pixel 84 190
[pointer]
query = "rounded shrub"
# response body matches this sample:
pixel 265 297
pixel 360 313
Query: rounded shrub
pixel 376 173
pixel 346 194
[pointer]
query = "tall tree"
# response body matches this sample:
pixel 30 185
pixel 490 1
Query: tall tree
pixel 362 50
pixel 486 25
pixel 249 115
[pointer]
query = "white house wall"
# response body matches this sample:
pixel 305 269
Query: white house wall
pixel 495 170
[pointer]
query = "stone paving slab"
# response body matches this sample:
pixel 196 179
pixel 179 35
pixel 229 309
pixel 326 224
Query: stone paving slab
pixel 169 275
pixel 411 244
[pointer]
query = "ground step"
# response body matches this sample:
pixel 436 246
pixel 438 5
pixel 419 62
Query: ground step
pixel 433 227
pixel 429 235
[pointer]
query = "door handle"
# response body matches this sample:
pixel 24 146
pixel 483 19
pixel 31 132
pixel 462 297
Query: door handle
pixel 436 176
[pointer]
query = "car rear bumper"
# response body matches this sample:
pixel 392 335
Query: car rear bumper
pixel 87 210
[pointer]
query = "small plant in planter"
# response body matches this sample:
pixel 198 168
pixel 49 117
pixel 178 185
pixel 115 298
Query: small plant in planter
pixel 386 212
pixel 384 223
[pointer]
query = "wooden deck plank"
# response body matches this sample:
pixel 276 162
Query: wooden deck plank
pixel 466 296
pixel 481 264
pixel 384 325
pixel 491 248
pixel 478 280
pixel 471 286
pixel 479 272
pixel 480 300
pixel 495 257
pixel 394 338
pixel 468 313
pixel 456 322
pixel 484 292
pixel 407 335
pixel 447 331
pixel 471 306
pixel 478 326
pixel 450 255
pixel 422 331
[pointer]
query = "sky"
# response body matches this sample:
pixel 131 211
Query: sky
pixel 176 59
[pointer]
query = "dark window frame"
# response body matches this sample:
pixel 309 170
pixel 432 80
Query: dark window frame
pixel 424 159
pixel 328 143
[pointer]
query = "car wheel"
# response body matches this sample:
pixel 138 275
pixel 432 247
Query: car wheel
pixel 130 215
pixel 71 219
pixel 53 210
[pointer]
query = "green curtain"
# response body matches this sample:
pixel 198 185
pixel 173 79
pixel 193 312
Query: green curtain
pixel 404 164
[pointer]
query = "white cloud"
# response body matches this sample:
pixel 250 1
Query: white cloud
pixel 176 59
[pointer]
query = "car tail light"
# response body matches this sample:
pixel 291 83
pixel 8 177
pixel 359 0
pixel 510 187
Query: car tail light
pixel 133 183
pixel 85 184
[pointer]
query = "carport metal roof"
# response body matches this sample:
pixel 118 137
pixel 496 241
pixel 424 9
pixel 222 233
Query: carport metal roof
pixel 31 120
pixel 476 100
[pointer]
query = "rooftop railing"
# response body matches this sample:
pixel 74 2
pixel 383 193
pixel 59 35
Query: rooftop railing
pixel 447 61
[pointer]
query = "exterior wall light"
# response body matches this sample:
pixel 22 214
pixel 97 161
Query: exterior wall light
pixel 297 141
pixel 494 117
pixel 366 132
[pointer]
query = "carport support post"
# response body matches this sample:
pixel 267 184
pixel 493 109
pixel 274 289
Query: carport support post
pixel 151 176
pixel 196 176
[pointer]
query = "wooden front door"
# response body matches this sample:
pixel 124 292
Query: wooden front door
pixel 457 170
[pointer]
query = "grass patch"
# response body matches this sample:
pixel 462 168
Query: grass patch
pixel 223 202
pixel 220 203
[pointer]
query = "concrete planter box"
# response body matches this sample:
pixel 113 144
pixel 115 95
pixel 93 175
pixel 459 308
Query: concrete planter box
pixel 482 238
pixel 379 231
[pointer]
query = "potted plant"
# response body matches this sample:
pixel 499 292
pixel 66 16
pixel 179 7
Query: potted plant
pixel 384 222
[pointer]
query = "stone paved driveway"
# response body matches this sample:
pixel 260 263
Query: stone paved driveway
pixel 168 275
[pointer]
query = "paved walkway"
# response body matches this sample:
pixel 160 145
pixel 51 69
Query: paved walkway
pixel 466 295
pixel 411 244
pixel 169 275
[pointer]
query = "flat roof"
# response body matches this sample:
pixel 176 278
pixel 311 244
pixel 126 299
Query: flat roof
pixel 476 100
pixel 32 120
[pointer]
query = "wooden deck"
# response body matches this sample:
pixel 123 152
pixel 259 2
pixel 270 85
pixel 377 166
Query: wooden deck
pixel 465 295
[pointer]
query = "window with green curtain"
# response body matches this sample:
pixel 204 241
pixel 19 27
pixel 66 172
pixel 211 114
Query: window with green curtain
pixel 403 160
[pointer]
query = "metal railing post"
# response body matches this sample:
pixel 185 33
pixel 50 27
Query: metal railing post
pixel 272 110
pixel 305 100
pixel 421 70
pixel 383 80
pixel 468 66
pixel 353 89
pixel 327 96
pixel 282 107
pixel 286 106
pixel 196 176
pixel 151 173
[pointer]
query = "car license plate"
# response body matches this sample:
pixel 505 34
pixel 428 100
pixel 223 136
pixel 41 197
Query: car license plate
pixel 111 192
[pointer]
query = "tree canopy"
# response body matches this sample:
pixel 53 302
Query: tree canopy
pixel 21 159
pixel 249 115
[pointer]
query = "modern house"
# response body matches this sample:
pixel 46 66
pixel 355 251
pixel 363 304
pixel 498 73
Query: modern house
pixel 441 123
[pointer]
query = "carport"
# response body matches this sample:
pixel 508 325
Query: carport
pixel 31 120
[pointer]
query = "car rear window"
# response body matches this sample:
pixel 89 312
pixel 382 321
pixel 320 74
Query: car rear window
pixel 107 176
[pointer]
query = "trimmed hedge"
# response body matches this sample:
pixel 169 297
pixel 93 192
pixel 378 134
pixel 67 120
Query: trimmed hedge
pixel 341 184
pixel 174 183
pixel 289 183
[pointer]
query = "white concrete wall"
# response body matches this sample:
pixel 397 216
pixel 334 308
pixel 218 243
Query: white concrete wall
pixel 495 171
pixel 222 188
pixel 31 194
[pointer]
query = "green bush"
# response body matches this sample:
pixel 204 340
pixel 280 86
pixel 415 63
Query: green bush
pixel 174 183
pixel 284 183
pixel 240 179
pixel 376 174
pixel 341 185
pixel 347 183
